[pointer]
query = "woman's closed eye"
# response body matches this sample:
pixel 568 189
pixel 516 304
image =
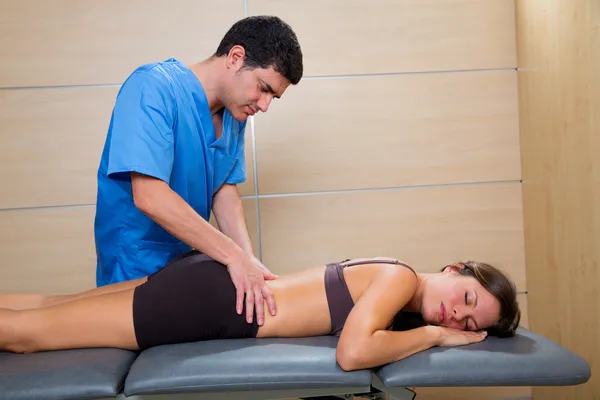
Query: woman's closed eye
pixel 466 303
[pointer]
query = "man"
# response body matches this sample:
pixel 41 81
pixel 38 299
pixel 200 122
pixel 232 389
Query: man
pixel 175 151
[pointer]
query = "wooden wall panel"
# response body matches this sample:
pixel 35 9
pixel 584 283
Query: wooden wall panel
pixel 559 90
pixel 71 42
pixel 524 305
pixel 249 204
pixel 52 140
pixel 474 393
pixel 341 37
pixel 47 251
pixel 386 131
pixel 428 228
pixel 52 251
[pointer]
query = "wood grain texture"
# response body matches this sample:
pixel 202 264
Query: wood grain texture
pixel 249 205
pixel 52 140
pixel 389 131
pixel 51 250
pixel 71 42
pixel 384 36
pixel 51 143
pixel 559 84
pixel 47 251
pixel 474 393
pixel 428 228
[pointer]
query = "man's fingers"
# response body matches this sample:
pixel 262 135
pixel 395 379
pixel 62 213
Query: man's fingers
pixel 270 300
pixel 251 284
pixel 239 300
pixel 269 275
pixel 249 305
pixel 266 273
pixel 260 312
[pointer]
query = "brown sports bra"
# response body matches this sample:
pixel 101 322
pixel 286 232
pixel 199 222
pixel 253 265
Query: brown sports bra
pixel 338 296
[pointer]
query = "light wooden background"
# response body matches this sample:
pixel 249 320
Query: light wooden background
pixel 402 139
pixel 559 93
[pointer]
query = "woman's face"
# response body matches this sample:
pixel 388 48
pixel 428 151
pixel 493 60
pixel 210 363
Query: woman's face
pixel 460 302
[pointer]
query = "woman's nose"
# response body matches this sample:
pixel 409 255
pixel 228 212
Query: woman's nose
pixel 459 313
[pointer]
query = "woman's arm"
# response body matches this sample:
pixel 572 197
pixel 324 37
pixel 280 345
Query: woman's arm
pixel 365 342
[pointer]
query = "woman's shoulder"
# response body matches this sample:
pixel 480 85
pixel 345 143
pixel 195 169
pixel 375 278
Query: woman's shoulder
pixel 404 264
pixel 382 270
pixel 382 260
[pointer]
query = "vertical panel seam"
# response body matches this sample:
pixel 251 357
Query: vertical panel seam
pixel 254 170
pixel 256 198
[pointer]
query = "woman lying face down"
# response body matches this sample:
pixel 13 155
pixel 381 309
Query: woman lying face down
pixel 366 302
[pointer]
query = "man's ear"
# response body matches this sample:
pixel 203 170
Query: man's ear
pixel 236 57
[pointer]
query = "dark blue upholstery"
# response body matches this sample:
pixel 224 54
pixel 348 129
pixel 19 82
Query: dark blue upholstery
pixel 528 359
pixel 64 375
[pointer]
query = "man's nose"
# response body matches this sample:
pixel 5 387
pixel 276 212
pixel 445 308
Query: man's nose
pixel 264 102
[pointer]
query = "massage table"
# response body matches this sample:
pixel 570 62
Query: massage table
pixel 280 369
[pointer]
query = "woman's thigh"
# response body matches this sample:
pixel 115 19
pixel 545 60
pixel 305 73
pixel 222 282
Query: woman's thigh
pixel 29 301
pixel 104 320
pixel 112 288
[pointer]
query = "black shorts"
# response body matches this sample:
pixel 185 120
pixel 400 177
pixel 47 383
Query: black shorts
pixel 191 299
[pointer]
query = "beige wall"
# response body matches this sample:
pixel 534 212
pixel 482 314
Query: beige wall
pixel 559 76
pixel 401 140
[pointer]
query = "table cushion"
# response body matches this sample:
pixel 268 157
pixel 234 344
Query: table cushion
pixel 528 359
pixel 69 374
pixel 241 364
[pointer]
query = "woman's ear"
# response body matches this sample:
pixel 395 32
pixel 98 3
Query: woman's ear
pixel 458 267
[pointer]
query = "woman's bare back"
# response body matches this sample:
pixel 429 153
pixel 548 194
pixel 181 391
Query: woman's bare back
pixel 302 307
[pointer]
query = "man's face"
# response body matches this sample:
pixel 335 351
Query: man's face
pixel 252 90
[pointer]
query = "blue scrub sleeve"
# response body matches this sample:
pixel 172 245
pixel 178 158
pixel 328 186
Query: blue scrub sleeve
pixel 238 174
pixel 141 134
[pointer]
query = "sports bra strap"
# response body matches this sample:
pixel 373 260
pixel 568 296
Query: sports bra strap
pixel 350 262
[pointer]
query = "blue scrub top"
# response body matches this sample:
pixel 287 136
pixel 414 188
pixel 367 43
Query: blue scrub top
pixel 161 126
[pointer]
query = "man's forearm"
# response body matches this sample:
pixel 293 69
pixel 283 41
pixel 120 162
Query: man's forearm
pixel 155 199
pixel 229 213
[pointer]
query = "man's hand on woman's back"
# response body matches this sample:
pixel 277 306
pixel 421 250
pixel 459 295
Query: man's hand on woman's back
pixel 248 275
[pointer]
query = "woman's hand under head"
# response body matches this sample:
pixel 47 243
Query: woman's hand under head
pixel 455 337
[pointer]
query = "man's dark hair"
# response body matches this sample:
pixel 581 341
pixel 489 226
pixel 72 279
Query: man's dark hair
pixel 268 41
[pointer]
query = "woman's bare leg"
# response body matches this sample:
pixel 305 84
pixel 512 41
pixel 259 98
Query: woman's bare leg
pixel 29 301
pixel 104 320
